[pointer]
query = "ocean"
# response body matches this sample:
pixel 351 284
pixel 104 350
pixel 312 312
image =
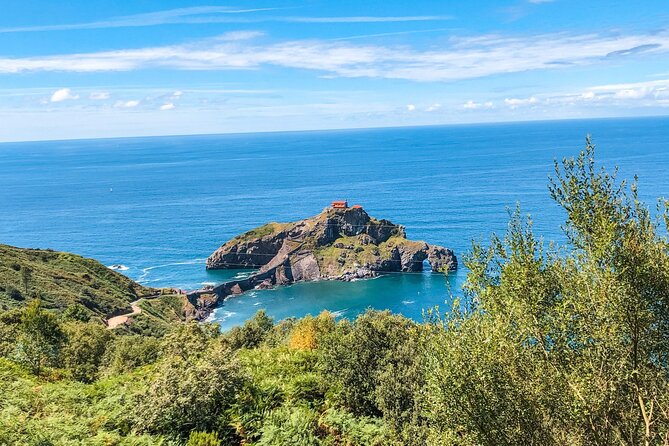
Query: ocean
pixel 160 205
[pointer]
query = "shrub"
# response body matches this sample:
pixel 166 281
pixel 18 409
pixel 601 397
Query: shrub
pixel 192 386
pixel 14 294
pixel 308 331
pixel 40 338
pixel 355 354
pixel 351 430
pixel 198 438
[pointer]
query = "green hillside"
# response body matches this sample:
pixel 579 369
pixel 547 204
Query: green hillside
pixel 63 280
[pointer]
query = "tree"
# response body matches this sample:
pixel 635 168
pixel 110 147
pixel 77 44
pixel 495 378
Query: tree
pixel 252 333
pixel 40 337
pixel 560 346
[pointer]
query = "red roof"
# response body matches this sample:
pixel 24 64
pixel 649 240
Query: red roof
pixel 340 204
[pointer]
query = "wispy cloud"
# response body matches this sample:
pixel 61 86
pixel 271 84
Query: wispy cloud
pixel 213 14
pixel 462 58
pixel 127 104
pixel 366 19
pixel 99 95
pixel 197 14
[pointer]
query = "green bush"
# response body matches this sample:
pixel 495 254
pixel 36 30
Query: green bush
pixel 193 385
pixel 354 356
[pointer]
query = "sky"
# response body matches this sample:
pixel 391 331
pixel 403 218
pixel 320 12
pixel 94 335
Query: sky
pixel 94 68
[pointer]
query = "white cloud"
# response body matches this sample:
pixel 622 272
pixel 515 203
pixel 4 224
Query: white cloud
pixel 433 107
pixel 521 102
pixel 643 93
pixel 411 107
pixel 126 104
pixel 99 95
pixel 471 105
pixel 463 58
pixel 634 94
pixel 64 94
pixel 167 106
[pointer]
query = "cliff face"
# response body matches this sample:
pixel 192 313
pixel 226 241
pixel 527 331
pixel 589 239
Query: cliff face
pixel 343 244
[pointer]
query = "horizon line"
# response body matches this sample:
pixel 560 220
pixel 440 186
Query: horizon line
pixel 334 129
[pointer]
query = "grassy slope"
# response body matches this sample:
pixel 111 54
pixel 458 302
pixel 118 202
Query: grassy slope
pixel 62 279
pixel 261 231
pixel 158 315
pixel 337 260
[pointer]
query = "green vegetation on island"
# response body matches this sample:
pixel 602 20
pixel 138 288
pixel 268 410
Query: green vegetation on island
pixel 551 346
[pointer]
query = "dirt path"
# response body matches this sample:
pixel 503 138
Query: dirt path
pixel 115 321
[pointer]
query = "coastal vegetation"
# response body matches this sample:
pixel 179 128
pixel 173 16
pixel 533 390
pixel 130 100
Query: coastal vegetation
pixel 550 345
pixel 62 280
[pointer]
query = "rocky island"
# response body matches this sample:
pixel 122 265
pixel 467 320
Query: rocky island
pixel 340 243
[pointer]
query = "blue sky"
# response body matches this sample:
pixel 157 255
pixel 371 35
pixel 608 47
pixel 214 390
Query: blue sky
pixel 82 69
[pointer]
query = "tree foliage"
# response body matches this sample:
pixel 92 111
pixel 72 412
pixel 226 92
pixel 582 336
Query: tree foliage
pixel 40 338
pixel 566 347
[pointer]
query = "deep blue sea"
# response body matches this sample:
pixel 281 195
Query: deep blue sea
pixel 161 205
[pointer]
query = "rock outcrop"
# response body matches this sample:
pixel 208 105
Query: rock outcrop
pixel 337 244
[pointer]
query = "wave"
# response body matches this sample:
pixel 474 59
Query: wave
pixel 118 267
pixel 408 302
pixel 222 316
pixel 339 313
pixel 208 284
pixel 147 270
pixel 256 304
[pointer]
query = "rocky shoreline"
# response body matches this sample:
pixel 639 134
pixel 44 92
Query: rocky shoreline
pixel 340 243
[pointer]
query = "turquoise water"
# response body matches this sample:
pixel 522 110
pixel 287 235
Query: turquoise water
pixel 160 206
